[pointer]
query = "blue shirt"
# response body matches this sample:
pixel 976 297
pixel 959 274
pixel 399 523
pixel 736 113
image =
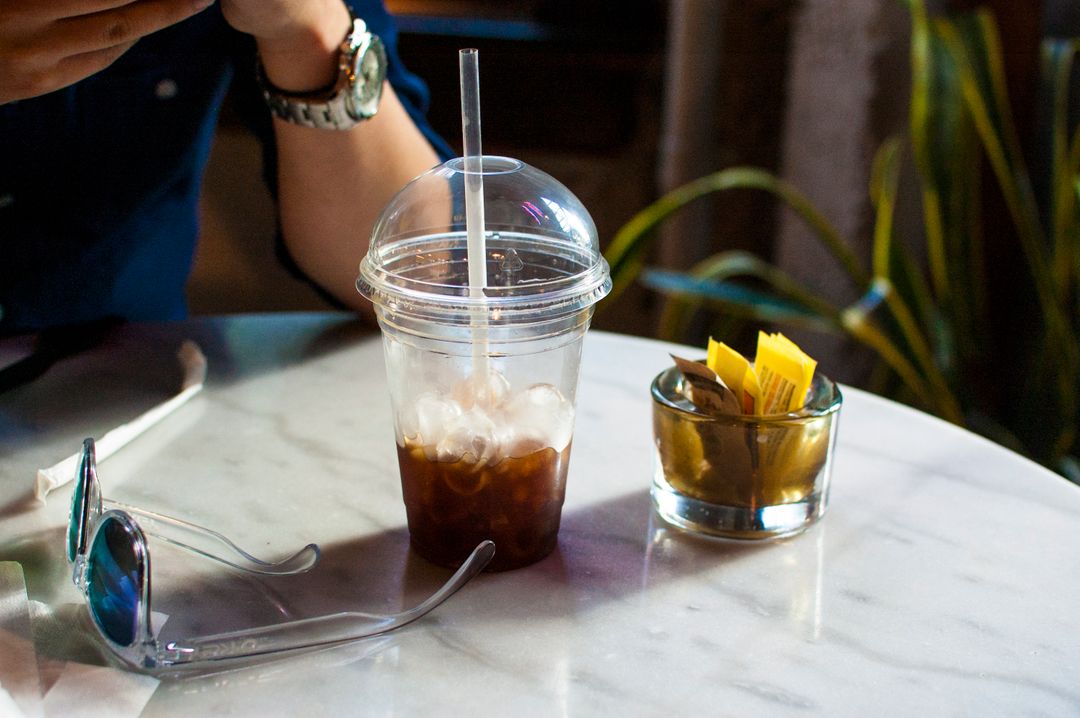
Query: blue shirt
pixel 99 182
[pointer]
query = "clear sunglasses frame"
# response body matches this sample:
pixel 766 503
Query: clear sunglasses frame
pixel 146 654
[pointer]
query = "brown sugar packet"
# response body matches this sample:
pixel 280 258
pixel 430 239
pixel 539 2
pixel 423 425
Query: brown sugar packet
pixel 705 388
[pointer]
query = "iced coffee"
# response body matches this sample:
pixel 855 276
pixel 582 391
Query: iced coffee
pixel 486 467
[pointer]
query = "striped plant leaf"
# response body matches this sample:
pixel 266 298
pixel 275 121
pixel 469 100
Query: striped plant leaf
pixel 626 249
pixel 883 188
pixel 1058 59
pixel 975 46
pixel 729 295
pixel 946 154
pixel 680 306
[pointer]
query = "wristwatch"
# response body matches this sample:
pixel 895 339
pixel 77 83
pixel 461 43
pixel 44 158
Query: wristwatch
pixel 351 99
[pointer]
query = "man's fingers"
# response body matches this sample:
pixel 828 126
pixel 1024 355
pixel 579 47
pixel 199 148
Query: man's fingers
pixel 42 52
pixel 88 63
pixel 73 8
pixel 123 24
pixel 33 82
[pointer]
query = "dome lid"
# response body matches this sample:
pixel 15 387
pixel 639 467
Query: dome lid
pixel 541 252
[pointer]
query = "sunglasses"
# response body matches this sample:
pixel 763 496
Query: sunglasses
pixel 111 561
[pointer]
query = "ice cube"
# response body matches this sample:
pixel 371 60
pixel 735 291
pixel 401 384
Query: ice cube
pixel 481 389
pixel 470 436
pixel 515 442
pixel 536 418
pixel 425 421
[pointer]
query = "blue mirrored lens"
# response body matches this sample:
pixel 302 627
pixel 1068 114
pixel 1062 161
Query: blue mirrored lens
pixel 115 577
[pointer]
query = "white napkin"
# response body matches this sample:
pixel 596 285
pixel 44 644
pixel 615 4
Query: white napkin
pixel 91 691
pixel 8 707
pixel 19 684
pixel 193 363
pixel 72 688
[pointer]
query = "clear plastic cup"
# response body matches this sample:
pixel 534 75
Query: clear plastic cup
pixel 483 383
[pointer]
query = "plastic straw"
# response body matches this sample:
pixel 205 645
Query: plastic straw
pixel 474 167
pixel 468 63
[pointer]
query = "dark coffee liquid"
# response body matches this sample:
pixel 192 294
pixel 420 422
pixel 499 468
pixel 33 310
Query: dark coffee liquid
pixel 453 506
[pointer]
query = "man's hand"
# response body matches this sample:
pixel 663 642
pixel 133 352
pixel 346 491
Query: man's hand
pixel 49 44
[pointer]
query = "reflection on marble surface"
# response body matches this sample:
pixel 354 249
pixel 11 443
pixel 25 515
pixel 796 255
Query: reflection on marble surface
pixel 942 580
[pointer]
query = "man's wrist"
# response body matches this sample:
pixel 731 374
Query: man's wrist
pixel 306 60
pixel 353 95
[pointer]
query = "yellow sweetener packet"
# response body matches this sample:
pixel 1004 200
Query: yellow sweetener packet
pixel 808 365
pixel 729 365
pixel 735 371
pixel 751 393
pixel 784 373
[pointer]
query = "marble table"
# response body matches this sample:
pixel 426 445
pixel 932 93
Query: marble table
pixel 944 579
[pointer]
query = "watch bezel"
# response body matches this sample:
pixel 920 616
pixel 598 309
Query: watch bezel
pixel 364 92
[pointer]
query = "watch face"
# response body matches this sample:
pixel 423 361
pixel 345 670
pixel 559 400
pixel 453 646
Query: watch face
pixel 369 69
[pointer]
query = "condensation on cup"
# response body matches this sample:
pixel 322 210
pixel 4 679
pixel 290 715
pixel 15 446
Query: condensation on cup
pixel 483 381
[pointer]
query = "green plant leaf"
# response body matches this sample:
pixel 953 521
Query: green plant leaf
pixel 909 281
pixel 884 183
pixel 858 321
pixel 1058 56
pixel 807 310
pixel 633 238
pixel 943 138
pixel 937 121
pixel 759 305
pixel 974 44
pixel 726 265
pixel 1076 240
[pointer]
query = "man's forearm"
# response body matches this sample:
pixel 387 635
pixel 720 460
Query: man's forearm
pixel 333 184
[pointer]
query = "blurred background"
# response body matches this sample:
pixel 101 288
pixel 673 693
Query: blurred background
pixel 624 101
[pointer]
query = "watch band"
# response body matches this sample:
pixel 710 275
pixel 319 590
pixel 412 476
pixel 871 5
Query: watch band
pixel 329 108
pixel 309 113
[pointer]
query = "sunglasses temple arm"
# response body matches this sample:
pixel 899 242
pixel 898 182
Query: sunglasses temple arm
pixel 158 526
pixel 314 632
